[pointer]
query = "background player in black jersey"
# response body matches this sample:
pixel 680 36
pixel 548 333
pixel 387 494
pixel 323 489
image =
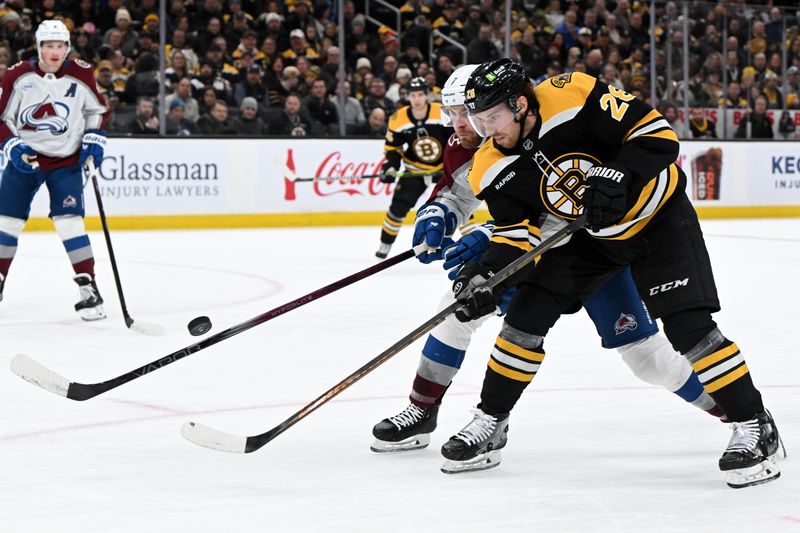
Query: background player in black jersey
pixel 415 139
pixel 572 144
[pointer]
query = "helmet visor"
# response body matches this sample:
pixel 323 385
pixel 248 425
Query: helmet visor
pixel 450 115
pixel 488 122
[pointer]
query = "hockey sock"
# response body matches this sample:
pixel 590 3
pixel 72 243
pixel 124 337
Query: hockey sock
pixel 437 368
pixel 73 235
pixel 724 374
pixel 391 227
pixel 10 228
pixel 512 366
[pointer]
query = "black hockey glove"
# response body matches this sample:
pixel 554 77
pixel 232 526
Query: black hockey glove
pixel 478 299
pixel 605 197
pixel 388 174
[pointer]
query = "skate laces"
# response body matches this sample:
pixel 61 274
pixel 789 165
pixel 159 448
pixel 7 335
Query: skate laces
pixel 481 428
pixel 87 292
pixel 745 437
pixel 410 415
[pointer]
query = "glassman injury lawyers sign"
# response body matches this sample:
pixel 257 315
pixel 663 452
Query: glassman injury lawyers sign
pixel 188 176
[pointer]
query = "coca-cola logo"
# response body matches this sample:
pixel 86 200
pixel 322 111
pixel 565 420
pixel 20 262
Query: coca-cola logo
pixel 337 175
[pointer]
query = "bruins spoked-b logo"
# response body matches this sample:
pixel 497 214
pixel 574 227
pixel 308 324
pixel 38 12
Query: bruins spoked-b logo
pixel 427 149
pixel 564 181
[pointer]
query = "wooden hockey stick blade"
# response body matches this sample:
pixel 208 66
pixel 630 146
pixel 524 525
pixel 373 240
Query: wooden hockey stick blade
pixel 214 439
pixel 33 372
pixel 36 373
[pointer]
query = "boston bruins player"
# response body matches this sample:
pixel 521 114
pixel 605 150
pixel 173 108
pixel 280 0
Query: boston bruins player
pixel 415 138
pixel 575 144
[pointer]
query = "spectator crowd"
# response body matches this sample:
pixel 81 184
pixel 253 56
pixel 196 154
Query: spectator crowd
pixel 270 67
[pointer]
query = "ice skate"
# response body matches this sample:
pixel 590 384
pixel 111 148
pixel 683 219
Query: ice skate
pixel 478 445
pixel 750 456
pixel 408 430
pixel 383 250
pixel 90 306
pixel 2 283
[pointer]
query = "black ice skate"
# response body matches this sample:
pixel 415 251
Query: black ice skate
pixel 478 445
pixel 90 306
pixel 2 283
pixel 383 250
pixel 408 430
pixel 749 458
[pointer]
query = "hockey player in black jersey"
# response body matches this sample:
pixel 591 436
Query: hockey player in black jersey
pixel 575 144
pixel 415 139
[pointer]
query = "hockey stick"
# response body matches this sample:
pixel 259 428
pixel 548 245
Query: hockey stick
pixel 226 442
pixel 407 174
pixel 138 327
pixel 34 372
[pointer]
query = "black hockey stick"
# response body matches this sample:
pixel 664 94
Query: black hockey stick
pixel 34 372
pixel 138 327
pixel 218 440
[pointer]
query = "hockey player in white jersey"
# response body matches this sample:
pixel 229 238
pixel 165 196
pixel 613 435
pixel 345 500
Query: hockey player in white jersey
pixel 52 119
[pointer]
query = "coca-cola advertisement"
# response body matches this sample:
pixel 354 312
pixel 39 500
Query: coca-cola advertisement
pixel 334 174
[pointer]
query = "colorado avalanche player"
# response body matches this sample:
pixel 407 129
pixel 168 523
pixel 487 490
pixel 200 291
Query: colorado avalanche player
pixel 617 311
pixel 52 120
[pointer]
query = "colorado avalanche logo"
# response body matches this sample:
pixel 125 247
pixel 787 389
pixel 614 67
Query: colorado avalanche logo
pixel 47 115
pixel 625 323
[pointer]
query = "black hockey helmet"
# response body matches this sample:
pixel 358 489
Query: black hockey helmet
pixel 496 82
pixel 417 84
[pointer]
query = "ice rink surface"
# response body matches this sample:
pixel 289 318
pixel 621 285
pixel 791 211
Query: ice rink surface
pixel 591 448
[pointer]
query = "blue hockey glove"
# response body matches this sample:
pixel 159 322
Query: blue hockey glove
pixel 22 156
pixel 434 222
pixel 93 145
pixel 469 248
pixel 469 289
pixel 437 254
pixel 606 196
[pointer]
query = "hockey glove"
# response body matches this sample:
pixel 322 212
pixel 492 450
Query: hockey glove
pixel 469 248
pixel 469 288
pixel 438 254
pixel 22 156
pixel 388 175
pixel 434 222
pixel 93 145
pixel 605 197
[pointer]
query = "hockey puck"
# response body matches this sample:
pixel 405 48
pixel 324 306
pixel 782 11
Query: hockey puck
pixel 199 326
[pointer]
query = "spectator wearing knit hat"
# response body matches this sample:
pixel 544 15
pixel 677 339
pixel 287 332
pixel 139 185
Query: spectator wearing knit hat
pixel 271 25
pixel 176 122
pixel 248 122
pixel 19 40
pixel 402 77
pixel 122 24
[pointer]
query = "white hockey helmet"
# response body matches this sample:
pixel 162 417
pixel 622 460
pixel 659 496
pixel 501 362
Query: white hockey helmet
pixel 52 30
pixel 453 90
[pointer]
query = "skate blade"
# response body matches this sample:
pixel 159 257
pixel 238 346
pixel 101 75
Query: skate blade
pixel 484 461
pixel 412 443
pixel 764 472
pixel 92 313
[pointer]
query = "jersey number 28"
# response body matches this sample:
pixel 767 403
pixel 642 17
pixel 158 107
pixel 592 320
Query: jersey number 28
pixel 609 102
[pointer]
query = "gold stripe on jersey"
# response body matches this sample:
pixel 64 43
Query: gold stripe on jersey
pixel 523 236
pixel 650 118
pixel 487 163
pixel 557 106
pixel 416 165
pixel 651 199
pixel 668 134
